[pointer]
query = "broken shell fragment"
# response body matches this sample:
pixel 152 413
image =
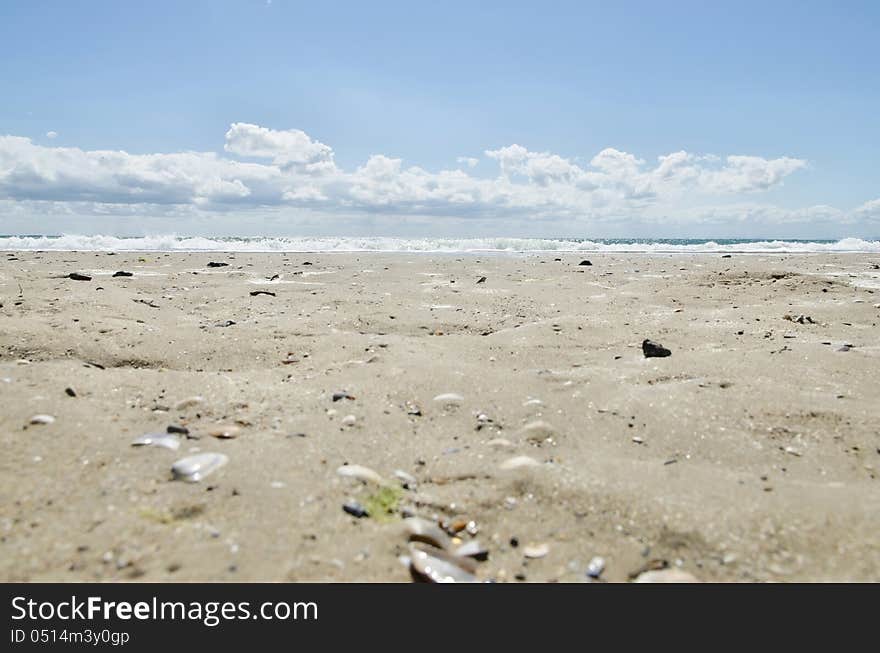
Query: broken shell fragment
pixel 194 468
pixel 166 440
pixel 449 398
pixel 224 431
pixel 473 549
pixel 422 530
pixel 671 575
pixel 432 565
pixel 518 462
pixel 361 473
pixel 42 419
pixel 536 550
pixel 189 402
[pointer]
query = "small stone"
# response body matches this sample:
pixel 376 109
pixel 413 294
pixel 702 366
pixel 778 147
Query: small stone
pixel 654 350
pixel 176 428
pixel 538 432
pixel 595 567
pixel 349 420
pixel 70 392
pixel 407 480
pixel 671 575
pixel 42 419
pixel 215 264
pixel 193 469
pixel 355 509
pixel 585 262
pixel 76 276
pixel 500 443
pixel 123 273
pixel 481 280
pixel 338 396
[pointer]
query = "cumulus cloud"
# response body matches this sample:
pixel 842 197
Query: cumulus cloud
pixel 266 169
pixel 51 134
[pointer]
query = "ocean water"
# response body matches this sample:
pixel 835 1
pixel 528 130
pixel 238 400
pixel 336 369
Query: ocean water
pixel 175 243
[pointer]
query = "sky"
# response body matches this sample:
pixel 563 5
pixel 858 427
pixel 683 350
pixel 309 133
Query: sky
pixel 454 119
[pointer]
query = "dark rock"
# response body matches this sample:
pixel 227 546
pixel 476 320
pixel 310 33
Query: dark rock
pixel 725 256
pixel 225 323
pixel 654 350
pixel 481 280
pixel 585 262
pixel 70 392
pixel 254 293
pixel 176 428
pixel 215 264
pixel 355 509
pixel 337 396
pixel 76 276
pixel 123 273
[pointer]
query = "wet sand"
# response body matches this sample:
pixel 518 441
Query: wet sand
pixel 750 454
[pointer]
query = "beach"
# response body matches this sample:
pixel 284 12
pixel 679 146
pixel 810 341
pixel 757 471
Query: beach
pixel 751 453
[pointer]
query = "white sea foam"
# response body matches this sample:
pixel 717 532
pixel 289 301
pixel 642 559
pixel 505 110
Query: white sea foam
pixel 173 243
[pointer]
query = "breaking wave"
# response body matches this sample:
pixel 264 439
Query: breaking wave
pixel 174 243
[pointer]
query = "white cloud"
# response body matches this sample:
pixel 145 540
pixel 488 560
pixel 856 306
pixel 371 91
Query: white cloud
pixel 51 134
pixel 265 169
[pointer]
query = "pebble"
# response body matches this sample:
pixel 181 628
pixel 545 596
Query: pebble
pixel 518 462
pixel 349 420
pixel 595 567
pixel 361 473
pixel 175 428
pixel 225 431
pixel 355 509
pixel 449 398
pixel 70 392
pixel 215 264
pixel 654 350
pixel 76 276
pixel 166 440
pixel 42 419
pixel 196 467
pixel 585 262
pixel 123 273
pixel 434 565
pixel 671 575
pixel 536 550
pixel 337 396
pixel 500 443
pixel 408 480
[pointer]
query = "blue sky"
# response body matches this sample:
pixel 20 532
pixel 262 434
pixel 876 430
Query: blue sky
pixel 793 86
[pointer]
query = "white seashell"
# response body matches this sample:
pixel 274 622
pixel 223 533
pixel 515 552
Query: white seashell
pixel 42 419
pixel 422 530
pixel 225 431
pixel 500 443
pixel 449 398
pixel 472 549
pixel 166 440
pixel 188 402
pixel 349 420
pixel 536 550
pixel 407 479
pixel 533 402
pixel 518 462
pixel 539 431
pixel 595 567
pixel 361 473
pixel 434 565
pixel 194 468
pixel 671 575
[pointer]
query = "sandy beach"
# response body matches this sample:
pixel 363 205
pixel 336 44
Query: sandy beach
pixel 752 453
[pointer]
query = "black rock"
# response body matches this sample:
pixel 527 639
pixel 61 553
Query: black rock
pixel 176 428
pixel 70 392
pixel 215 264
pixel 254 293
pixel 225 323
pixel 341 395
pixel 725 256
pixel 355 509
pixel 123 273
pixel 76 276
pixel 585 262
pixel 481 280
pixel 654 350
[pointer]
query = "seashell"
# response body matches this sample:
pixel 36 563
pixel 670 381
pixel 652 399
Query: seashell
pixel 194 468
pixel 536 550
pixel 166 440
pixel 42 419
pixel 422 530
pixel 533 402
pixel 432 565
pixel 473 549
pixel 361 473
pixel 188 402
pixel 407 480
pixel 671 575
pixel 518 462
pixel 224 431
pixel 349 420
pixel 449 398
pixel 500 443
pixel 539 431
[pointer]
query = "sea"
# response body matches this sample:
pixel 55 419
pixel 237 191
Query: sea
pixel 177 243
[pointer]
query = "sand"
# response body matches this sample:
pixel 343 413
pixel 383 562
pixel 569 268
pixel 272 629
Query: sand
pixel 750 454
